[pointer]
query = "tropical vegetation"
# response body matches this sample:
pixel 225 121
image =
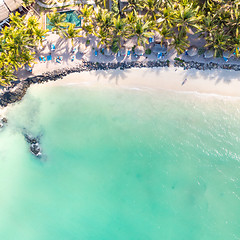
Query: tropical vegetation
pixel 215 22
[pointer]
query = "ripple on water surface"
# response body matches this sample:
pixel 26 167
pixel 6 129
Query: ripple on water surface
pixel 121 164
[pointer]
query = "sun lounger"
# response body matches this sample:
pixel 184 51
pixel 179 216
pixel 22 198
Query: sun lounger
pixel 96 53
pixel 44 59
pixel 74 50
pixel 128 53
pixel 73 58
pixel 59 59
pixel 40 59
pixel 49 57
pixel 53 47
pixel 225 59
pixel 28 68
pixel 151 39
pixel 159 56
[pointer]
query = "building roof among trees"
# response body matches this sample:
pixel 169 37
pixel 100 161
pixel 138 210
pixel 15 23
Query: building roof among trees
pixel 8 6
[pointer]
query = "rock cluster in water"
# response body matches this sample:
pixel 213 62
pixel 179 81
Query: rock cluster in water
pixel 18 89
pixel 3 122
pixel 34 144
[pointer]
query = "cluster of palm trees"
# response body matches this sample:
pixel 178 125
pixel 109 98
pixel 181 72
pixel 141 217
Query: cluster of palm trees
pixel 17 45
pixel 215 21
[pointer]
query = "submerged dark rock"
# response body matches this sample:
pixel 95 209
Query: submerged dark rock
pixel 34 143
pixel 35 149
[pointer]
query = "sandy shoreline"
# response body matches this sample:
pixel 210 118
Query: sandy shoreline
pixel 215 82
pixel 219 82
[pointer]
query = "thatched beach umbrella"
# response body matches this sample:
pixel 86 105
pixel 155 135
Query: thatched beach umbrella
pixel 208 54
pixel 130 43
pixel 123 51
pixel 160 48
pixel 107 52
pixel 82 48
pixel 139 50
pixel 192 51
pixel 227 54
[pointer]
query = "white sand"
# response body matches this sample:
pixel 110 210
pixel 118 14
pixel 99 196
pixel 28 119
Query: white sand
pixel 219 82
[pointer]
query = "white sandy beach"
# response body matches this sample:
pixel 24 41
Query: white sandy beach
pixel 219 82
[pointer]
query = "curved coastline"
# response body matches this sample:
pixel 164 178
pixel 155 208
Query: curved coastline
pixel 19 88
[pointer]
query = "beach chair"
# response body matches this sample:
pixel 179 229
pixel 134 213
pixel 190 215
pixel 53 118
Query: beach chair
pixel 59 59
pixel 74 50
pixel 44 59
pixel 49 57
pixel 159 56
pixel 128 53
pixel 96 53
pixel 53 47
pixel 150 40
pixel 225 59
pixel 40 59
pixel 28 68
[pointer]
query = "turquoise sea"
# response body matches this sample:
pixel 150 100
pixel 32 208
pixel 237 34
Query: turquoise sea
pixel 121 164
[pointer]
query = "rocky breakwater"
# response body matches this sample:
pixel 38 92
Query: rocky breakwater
pixel 204 66
pixel 18 89
pixel 34 143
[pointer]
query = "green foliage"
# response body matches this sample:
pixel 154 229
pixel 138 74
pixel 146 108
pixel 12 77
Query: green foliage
pixel 18 42
pixel 115 46
pixel 201 50
pixel 148 51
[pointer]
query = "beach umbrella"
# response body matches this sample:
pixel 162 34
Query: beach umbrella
pixel 130 43
pixel 157 37
pixel 123 51
pixel 227 54
pixel 82 48
pixel 160 48
pixel 192 51
pixel 139 50
pixel 107 52
pixel 208 54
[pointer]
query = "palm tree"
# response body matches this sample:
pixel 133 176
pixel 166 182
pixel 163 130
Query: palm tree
pixel 72 33
pixel 39 35
pixel 180 42
pixel 208 25
pixel 56 21
pixel 133 5
pixel 6 76
pixel 167 17
pixel 16 20
pixel 142 31
pixel 186 17
pixel 234 20
pixel 217 41
pixel 32 25
pixel 86 13
pixel 131 17
pixel 120 32
pixel 166 33
pixel 151 7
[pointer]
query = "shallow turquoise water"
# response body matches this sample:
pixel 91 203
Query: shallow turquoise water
pixel 121 164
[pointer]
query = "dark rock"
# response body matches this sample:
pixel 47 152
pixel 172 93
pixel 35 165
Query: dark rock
pixel 35 149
